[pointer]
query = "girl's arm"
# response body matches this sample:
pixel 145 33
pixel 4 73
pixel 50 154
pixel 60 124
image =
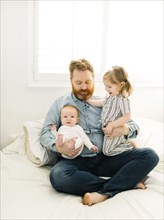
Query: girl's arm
pixel 117 123
pixel 97 103
pixel 125 109
pixel 120 121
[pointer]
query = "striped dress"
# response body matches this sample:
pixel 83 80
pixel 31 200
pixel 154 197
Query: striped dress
pixel 114 107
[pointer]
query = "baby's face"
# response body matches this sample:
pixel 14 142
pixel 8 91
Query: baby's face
pixel 69 116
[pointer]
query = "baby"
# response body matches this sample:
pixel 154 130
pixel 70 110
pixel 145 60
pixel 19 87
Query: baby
pixel 70 129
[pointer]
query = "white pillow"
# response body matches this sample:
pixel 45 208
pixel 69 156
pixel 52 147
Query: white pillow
pixel 35 151
pixel 150 135
pixel 16 146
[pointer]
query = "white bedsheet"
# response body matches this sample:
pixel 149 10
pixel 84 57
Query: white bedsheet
pixel 26 193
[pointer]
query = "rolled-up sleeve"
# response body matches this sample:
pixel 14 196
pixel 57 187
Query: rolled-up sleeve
pixel 133 130
pixel 47 139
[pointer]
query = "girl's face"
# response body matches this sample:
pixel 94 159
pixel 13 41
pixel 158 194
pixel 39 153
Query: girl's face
pixel 112 89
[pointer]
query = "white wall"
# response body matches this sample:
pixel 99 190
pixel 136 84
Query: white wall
pixel 19 103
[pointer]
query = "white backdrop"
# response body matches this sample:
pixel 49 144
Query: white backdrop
pixel 19 103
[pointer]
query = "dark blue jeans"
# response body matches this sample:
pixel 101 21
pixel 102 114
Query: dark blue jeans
pixel 84 174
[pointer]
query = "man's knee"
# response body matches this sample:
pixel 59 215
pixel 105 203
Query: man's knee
pixel 152 156
pixel 56 177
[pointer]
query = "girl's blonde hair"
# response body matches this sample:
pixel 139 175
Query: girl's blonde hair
pixel 118 75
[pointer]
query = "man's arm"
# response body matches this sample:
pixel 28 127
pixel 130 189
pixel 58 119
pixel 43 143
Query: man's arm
pixel 47 139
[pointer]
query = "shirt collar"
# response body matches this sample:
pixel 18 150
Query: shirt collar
pixel 74 98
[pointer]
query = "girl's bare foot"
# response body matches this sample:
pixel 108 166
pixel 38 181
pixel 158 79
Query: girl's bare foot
pixel 93 198
pixel 133 144
pixel 140 185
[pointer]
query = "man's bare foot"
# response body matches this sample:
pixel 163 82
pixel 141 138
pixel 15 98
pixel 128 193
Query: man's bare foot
pixel 140 185
pixel 93 198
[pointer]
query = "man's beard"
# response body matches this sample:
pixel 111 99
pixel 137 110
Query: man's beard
pixel 83 94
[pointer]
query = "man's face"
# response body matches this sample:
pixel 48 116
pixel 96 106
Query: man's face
pixel 82 84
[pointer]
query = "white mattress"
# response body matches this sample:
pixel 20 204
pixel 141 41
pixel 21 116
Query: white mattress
pixel 26 193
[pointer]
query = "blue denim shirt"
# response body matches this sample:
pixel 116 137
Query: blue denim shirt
pixel 89 120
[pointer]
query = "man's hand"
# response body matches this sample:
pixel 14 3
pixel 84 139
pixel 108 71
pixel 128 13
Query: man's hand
pixel 67 147
pixel 116 132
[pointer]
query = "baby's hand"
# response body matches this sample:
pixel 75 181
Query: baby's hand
pixel 94 149
pixel 53 127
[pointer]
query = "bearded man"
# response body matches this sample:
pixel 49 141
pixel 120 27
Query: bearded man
pixel 83 175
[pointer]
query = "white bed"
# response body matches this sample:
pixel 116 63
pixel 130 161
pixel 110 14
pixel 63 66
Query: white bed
pixel 26 192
